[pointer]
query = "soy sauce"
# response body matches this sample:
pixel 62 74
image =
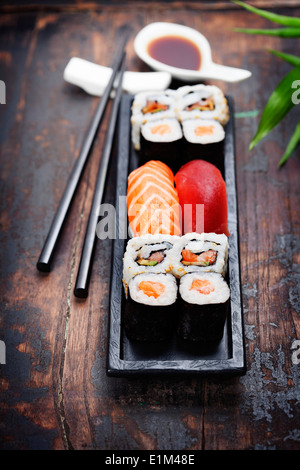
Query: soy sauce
pixel 175 51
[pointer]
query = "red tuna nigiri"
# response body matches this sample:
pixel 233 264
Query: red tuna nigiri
pixel 200 182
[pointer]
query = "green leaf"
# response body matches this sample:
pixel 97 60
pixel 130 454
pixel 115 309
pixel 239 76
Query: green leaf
pixel 290 58
pixel 278 105
pixel 281 32
pixel 292 145
pixel 280 19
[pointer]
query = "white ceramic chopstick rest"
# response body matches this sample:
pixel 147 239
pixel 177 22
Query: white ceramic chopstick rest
pixel 93 78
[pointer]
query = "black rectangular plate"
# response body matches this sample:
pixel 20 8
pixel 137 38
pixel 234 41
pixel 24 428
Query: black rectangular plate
pixel 127 358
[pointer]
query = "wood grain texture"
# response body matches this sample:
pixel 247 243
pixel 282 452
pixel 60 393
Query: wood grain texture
pixel 54 392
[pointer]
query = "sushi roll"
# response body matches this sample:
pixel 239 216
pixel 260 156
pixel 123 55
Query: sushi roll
pixel 150 309
pixel 205 252
pixel 203 139
pixel 148 253
pixel 204 301
pixel 149 106
pixel 161 139
pixel 202 102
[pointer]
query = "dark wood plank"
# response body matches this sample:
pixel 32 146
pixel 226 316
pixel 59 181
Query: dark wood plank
pixel 54 390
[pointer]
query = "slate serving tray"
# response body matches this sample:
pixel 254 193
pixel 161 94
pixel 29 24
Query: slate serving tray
pixel 129 358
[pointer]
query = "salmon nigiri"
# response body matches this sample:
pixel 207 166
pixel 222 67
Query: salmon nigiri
pixel 152 200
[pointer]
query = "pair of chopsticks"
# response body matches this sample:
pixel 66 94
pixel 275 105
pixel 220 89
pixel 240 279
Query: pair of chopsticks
pixel 46 256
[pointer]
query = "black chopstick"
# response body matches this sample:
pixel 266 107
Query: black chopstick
pixel 44 261
pixel 83 276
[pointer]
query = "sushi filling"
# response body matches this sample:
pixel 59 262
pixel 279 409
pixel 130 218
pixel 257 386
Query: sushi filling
pixel 203 130
pixel 204 258
pixel 155 258
pixel 203 104
pixel 152 289
pixel 154 106
pixel 148 257
pixel 161 129
pixel 204 287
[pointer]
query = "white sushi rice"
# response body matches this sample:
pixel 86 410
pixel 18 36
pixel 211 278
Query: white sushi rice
pixel 193 94
pixel 143 246
pixel 168 297
pixel 136 124
pixel 198 243
pixel 219 295
pixel 190 126
pixel 148 130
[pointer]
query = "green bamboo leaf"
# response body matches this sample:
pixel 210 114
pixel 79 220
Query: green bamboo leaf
pixel 290 58
pixel 281 32
pixel 279 104
pixel 280 19
pixel 292 145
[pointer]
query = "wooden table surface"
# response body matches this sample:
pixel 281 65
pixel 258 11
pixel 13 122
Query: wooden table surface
pixel 55 393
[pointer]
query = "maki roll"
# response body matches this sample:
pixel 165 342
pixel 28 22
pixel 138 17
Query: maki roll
pixel 149 253
pixel 149 106
pixel 204 139
pixel 161 139
pixel 202 102
pixel 205 252
pixel 204 301
pixel 150 309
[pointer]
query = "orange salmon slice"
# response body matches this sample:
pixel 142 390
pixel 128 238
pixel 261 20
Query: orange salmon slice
pixel 152 200
pixel 202 286
pixel 161 129
pixel 151 288
pixel 207 257
pixel 204 130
